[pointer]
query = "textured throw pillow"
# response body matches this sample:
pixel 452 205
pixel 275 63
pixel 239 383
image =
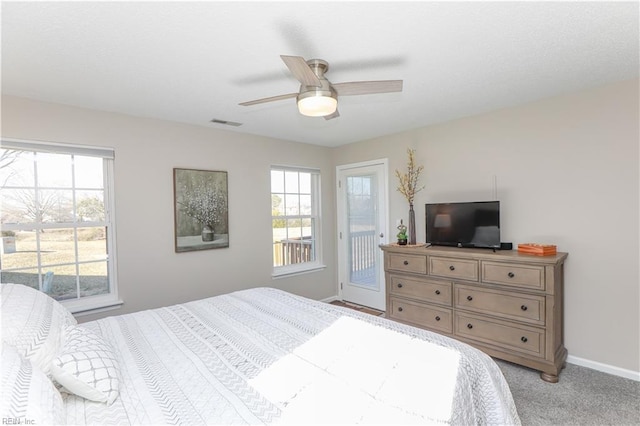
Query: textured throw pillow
pixel 87 366
pixel 33 323
pixel 28 396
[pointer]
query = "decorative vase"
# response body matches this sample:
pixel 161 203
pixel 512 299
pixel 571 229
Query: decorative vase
pixel 207 233
pixel 402 242
pixel 412 225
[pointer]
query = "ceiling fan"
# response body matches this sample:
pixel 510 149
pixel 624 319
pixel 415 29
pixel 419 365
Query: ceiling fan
pixel 318 97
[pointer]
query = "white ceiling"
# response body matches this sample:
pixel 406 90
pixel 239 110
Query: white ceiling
pixel 191 62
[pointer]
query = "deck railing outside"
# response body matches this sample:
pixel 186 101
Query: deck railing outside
pixel 363 254
pixel 292 250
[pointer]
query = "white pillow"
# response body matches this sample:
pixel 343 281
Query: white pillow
pixel 87 366
pixel 28 396
pixel 33 323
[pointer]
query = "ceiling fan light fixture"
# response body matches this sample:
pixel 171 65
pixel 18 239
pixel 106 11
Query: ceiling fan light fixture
pixel 317 103
pixel 317 97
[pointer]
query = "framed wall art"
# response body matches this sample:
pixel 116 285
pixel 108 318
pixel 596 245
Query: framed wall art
pixel 201 209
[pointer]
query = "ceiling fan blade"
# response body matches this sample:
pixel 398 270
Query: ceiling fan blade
pixel 270 99
pixel 367 87
pixel 301 71
pixel 335 114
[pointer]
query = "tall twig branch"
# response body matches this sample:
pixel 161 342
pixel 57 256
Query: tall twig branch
pixel 408 182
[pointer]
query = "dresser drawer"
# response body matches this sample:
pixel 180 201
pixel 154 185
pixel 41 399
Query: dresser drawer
pixel 427 316
pixel 407 262
pixel 527 276
pixel 520 338
pixel 520 307
pixel 453 268
pixel 427 290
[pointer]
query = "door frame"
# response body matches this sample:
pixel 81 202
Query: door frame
pixel 341 222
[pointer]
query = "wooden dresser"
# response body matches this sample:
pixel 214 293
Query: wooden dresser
pixel 505 303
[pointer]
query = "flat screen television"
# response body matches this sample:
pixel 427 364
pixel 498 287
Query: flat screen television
pixel 467 224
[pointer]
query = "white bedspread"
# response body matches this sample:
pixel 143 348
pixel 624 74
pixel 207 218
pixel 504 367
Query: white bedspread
pixel 265 356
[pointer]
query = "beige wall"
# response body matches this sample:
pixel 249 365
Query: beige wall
pixel 566 172
pixel 150 273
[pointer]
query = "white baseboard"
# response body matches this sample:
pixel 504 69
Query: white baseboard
pixel 330 299
pixel 605 368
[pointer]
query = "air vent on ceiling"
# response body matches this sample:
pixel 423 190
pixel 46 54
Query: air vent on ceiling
pixel 225 122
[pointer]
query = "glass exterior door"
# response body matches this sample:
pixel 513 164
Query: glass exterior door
pixel 362 210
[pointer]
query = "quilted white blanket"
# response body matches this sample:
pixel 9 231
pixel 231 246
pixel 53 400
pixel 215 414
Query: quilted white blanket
pixel 264 356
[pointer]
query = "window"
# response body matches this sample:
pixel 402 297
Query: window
pixel 57 222
pixel 295 214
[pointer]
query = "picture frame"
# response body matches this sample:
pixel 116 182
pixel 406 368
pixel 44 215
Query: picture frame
pixel 201 209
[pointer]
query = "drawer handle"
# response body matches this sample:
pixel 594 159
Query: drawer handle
pixel 437 318
pixel 511 275
pixel 469 298
pixel 406 262
pixel 524 339
pixel 469 326
pixel 452 268
pixel 399 285
pixel 523 307
pixel 437 291
pixel 400 309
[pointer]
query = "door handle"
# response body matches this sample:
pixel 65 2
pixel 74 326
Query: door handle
pixel 381 235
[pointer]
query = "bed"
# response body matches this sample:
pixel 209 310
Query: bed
pixel 257 356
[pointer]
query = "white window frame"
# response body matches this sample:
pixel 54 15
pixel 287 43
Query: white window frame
pixel 87 304
pixel 316 209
